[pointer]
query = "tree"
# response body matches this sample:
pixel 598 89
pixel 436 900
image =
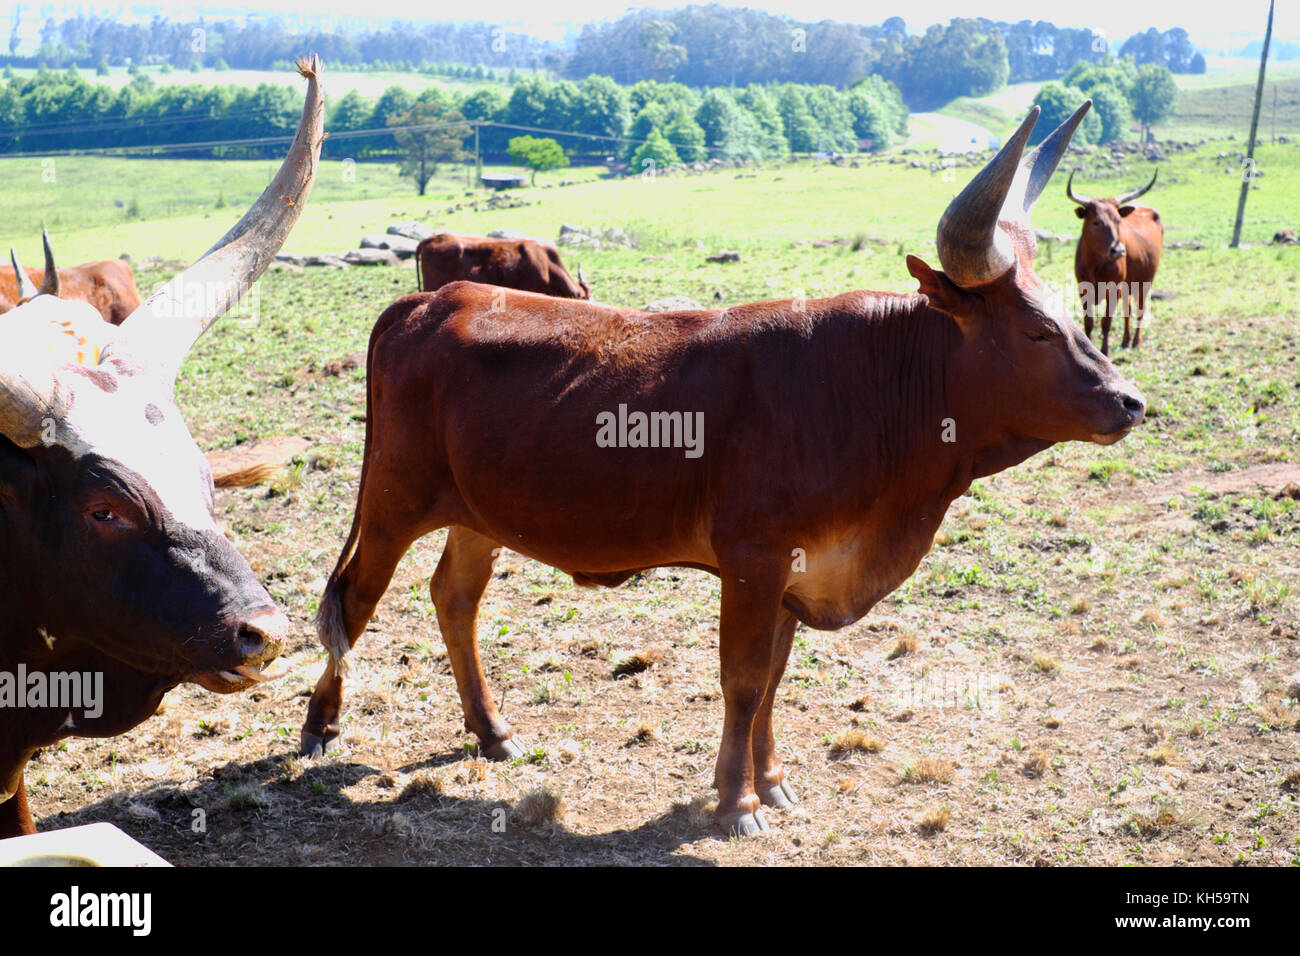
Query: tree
pixel 655 153
pixel 423 148
pixel 1153 96
pixel 687 138
pixel 539 154
pixel 1058 103
pixel 1113 109
pixel 101 69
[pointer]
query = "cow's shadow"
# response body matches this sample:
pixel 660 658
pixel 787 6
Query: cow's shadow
pixel 293 812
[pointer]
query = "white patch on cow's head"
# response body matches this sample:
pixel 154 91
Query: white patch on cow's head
pixel 139 427
pixel 120 413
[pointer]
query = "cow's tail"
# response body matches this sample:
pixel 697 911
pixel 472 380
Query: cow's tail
pixel 419 273
pixel 331 626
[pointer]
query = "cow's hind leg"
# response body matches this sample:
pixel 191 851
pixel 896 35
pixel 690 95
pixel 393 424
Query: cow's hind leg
pixel 769 776
pixel 457 588
pixel 751 622
pixel 346 607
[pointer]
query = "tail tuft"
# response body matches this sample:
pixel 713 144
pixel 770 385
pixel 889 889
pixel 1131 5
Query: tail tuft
pixel 330 630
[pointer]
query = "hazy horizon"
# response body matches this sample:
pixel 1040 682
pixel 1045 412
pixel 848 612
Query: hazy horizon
pixel 1211 28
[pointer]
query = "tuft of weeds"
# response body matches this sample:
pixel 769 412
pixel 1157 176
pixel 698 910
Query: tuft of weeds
pixel 1035 765
pixel 927 770
pixel 423 783
pixel 855 741
pixel 538 808
pixel 636 663
pixel 907 644
pixel 934 820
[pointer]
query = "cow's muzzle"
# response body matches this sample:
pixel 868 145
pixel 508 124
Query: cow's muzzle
pixel 258 643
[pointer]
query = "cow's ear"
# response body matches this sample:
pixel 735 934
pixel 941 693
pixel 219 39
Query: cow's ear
pixel 1080 211
pixel 944 294
pixel 1125 210
pixel 17 476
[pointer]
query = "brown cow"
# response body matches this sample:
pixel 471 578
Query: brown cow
pixel 109 286
pixel 529 265
pixel 116 584
pixel 1116 259
pixel 804 451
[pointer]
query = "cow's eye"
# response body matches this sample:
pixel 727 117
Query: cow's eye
pixel 103 514
pixel 1034 335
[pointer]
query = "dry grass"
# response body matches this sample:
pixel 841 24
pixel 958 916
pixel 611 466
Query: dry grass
pixel 1163 756
pixel 855 741
pixel 1045 663
pixel 637 662
pixel 934 820
pixel 1035 765
pixel 537 808
pixel 927 770
pixel 644 734
pixel 423 783
pixel 907 644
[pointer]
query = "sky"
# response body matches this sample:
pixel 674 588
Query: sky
pixel 1213 25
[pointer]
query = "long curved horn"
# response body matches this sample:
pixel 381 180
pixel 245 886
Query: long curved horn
pixel 162 329
pixel 1129 197
pixel 50 284
pixel 1038 166
pixel 972 249
pixel 1069 190
pixel 26 287
pixel 29 399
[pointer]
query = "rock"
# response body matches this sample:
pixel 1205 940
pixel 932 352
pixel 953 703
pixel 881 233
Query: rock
pixel 291 258
pixel 727 255
pixel 327 261
pixel 508 234
pixel 673 303
pixel 370 257
pixel 403 246
pixel 411 230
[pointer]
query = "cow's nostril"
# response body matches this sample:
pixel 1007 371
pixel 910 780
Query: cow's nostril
pixel 250 642
pixel 1134 405
pixel 262 635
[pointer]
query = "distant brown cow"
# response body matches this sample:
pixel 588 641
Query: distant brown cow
pixel 803 451
pixel 1116 259
pixel 109 286
pixel 529 265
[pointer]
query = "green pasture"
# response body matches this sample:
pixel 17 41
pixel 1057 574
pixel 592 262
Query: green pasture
pixel 178 204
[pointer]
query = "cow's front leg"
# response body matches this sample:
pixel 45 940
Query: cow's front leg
pixel 15 814
pixel 751 612
pixel 769 776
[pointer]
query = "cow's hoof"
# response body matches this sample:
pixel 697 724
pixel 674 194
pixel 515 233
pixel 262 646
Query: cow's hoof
pixel 780 795
pixel 743 824
pixel 508 749
pixel 311 746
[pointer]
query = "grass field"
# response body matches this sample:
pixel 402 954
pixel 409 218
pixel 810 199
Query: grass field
pixel 1098 663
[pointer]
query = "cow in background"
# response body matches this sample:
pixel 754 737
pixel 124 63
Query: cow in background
pixel 109 286
pixel 529 265
pixel 1116 259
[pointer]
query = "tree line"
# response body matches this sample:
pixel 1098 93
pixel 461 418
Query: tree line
pixel 62 110
pixel 699 46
